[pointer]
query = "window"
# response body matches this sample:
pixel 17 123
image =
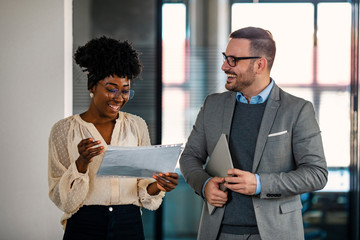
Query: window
pixel 292 29
pixel 313 62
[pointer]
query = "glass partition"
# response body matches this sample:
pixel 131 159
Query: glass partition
pixel 136 22
pixel 292 28
pixel 312 62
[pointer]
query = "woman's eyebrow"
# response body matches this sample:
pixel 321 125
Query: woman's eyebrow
pixel 114 84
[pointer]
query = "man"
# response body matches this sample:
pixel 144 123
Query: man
pixel 275 145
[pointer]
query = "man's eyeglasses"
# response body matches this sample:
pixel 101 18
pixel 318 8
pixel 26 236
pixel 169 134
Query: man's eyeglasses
pixel 231 60
pixel 125 94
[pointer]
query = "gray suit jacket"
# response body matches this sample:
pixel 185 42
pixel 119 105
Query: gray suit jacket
pixel 289 159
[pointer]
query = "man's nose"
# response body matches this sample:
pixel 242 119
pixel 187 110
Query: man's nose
pixel 225 66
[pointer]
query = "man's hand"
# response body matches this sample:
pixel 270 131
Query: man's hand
pixel 213 194
pixel 241 181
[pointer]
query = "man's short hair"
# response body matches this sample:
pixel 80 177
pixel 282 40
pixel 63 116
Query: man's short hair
pixel 261 42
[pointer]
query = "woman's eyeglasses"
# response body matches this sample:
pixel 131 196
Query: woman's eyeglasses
pixel 125 94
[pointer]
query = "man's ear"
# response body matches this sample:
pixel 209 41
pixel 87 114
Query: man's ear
pixel 261 65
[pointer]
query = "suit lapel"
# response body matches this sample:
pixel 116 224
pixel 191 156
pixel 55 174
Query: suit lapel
pixel 267 121
pixel 229 106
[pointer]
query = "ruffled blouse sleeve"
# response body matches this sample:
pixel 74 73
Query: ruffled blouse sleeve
pixel 67 187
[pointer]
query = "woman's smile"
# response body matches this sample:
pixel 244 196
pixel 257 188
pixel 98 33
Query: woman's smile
pixel 116 108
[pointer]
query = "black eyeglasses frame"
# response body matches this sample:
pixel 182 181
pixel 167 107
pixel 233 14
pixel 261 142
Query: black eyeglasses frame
pixel 236 59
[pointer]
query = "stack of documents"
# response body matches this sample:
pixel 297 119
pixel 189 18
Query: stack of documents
pixel 141 162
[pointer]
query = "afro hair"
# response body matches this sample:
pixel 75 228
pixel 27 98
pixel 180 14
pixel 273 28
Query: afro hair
pixel 103 57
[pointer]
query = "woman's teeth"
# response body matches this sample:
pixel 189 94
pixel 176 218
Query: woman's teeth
pixel 115 107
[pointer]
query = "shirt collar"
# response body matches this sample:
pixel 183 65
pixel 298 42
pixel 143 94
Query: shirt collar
pixel 260 98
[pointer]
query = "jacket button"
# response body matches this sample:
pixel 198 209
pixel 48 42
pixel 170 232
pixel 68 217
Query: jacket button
pixel 110 209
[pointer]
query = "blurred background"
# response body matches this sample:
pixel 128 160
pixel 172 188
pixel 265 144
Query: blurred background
pixel 181 43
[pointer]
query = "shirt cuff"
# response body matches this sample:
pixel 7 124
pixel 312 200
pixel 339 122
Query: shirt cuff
pixel 74 174
pixel 258 184
pixel 151 202
pixel 203 188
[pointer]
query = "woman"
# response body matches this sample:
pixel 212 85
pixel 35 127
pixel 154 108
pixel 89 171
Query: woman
pixel 102 207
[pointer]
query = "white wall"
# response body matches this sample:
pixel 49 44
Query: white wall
pixel 31 101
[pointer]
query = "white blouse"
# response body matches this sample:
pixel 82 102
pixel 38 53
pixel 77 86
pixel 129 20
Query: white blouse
pixel 70 190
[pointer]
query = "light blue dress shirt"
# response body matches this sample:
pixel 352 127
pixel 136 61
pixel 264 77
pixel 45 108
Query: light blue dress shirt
pixel 260 98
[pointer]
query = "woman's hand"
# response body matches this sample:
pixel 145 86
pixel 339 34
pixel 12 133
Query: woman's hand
pixel 87 151
pixel 164 182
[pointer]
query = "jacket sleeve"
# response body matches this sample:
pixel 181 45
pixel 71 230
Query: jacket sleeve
pixel 310 171
pixel 195 155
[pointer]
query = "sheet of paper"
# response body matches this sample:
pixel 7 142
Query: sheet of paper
pixel 141 162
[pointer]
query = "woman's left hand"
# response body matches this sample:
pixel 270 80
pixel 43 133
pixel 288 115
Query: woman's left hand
pixel 166 181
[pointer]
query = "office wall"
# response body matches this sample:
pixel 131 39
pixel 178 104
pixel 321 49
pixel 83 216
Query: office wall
pixel 31 100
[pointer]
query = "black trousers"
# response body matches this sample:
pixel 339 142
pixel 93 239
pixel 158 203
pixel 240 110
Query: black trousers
pixel 105 223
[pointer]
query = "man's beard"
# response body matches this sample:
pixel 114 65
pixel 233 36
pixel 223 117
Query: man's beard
pixel 242 82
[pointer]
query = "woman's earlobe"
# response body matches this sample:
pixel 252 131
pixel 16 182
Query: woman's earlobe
pixel 92 90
